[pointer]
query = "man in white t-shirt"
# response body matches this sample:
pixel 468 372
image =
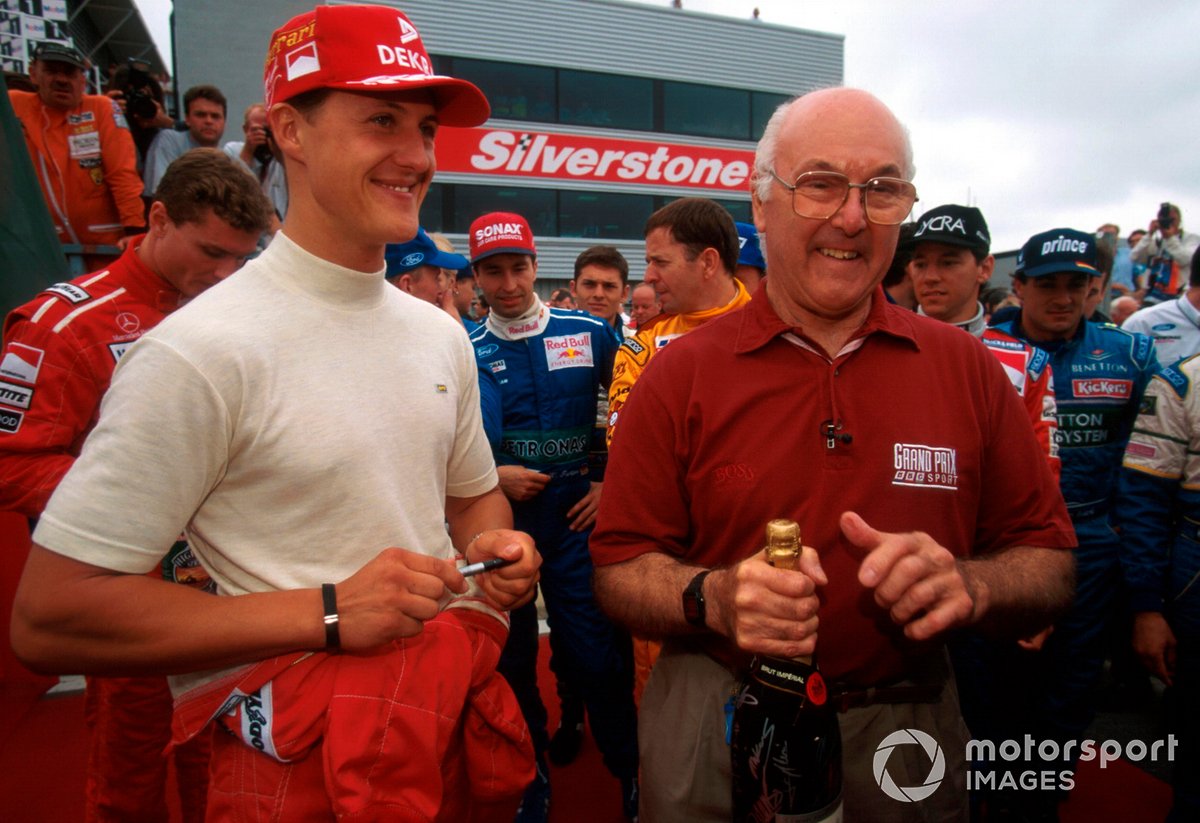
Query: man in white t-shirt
pixel 1175 324
pixel 313 430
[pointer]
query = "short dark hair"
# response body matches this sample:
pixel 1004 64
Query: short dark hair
pixel 209 93
pixel 699 223
pixel 606 257
pixel 904 253
pixel 308 102
pixel 204 179
pixel 1194 276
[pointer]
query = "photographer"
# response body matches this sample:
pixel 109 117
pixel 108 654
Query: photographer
pixel 259 154
pixel 1166 250
pixel 141 99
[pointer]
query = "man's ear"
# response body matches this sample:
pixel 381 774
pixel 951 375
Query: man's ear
pixel 157 218
pixel 287 127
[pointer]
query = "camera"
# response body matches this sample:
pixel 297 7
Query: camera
pixel 263 153
pixel 1166 218
pixel 139 101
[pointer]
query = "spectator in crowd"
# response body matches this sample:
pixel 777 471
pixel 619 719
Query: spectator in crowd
pixel 751 267
pixel 643 304
pixel 949 261
pixel 1139 269
pixel 1175 324
pixel 425 267
pixel 550 365
pixel 1121 309
pixel 601 286
pixel 897 284
pixel 691 256
pixel 464 296
pixel 204 115
pixel 1093 304
pixel 82 152
pixel 1157 508
pixel 1166 250
pixel 142 101
pixel 1101 372
pixel 59 353
pixel 773 411
pixel 1122 281
pixel 260 156
pixel 316 541
pixel 561 299
pixel 992 297
pixel 481 306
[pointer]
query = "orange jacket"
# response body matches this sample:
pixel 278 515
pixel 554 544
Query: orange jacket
pixel 87 166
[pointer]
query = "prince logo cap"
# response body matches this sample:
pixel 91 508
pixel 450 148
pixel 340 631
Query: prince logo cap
pixel 363 48
pixel 500 232
pixel 1058 250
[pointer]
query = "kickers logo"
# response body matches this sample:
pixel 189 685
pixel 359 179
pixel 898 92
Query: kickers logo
pixel 1099 387
pixel 569 351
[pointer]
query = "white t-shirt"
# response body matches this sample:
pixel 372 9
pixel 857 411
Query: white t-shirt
pixel 294 420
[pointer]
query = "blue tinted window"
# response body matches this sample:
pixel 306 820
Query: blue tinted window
pixel 690 108
pixel 587 98
pixel 516 92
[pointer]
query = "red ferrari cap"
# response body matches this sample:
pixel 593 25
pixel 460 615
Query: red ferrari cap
pixel 363 48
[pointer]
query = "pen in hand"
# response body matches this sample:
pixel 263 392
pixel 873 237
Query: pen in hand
pixel 473 569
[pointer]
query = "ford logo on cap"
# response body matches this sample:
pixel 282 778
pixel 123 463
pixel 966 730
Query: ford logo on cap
pixel 413 259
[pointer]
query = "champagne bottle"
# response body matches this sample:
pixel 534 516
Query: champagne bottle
pixel 785 745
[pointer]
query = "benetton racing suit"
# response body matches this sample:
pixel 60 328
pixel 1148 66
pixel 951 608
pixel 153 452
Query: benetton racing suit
pixel 60 350
pixel 1159 514
pixel 550 364
pixel 1099 377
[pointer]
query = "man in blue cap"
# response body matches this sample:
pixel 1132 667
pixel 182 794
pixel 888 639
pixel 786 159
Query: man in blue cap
pixel 1100 374
pixel 751 265
pixel 426 268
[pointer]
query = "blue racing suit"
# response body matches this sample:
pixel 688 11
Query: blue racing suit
pixel 1159 514
pixel 1100 375
pixel 550 365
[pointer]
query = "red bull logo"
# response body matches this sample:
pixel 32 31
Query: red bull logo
pixel 569 351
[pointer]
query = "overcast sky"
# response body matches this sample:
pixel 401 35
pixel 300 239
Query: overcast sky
pixel 1044 114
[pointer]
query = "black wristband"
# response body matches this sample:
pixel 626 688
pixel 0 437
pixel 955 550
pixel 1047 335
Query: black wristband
pixel 333 638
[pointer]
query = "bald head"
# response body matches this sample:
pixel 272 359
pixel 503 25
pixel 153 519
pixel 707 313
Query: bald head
pixel 840 111
pixel 1121 308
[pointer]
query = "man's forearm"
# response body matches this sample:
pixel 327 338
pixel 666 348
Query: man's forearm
pixel 468 516
pixel 1021 590
pixel 71 617
pixel 644 593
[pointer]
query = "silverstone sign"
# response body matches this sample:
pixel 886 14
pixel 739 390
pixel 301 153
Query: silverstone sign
pixel 554 156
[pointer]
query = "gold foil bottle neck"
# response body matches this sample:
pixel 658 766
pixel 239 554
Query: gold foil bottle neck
pixel 783 544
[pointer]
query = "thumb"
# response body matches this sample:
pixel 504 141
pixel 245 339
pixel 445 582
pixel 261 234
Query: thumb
pixel 810 564
pixel 858 532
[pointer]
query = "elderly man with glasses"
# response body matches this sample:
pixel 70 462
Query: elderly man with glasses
pixel 895 441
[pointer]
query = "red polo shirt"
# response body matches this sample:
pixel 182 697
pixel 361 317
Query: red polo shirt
pixel 727 430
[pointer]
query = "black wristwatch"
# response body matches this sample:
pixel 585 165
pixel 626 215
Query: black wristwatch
pixel 693 600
